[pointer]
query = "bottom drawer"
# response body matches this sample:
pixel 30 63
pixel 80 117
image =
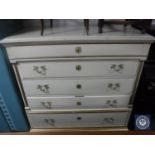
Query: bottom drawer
pixel 78 120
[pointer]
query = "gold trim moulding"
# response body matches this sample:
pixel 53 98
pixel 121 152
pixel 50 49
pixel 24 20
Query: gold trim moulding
pixel 79 111
pixel 123 128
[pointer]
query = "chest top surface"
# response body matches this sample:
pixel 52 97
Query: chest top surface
pixel 73 35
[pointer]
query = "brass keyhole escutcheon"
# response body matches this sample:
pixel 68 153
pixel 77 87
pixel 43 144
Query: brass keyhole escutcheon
pixel 78 86
pixel 78 50
pixel 79 118
pixel 78 67
pixel 78 103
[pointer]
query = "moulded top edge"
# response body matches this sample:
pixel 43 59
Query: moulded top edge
pixel 76 36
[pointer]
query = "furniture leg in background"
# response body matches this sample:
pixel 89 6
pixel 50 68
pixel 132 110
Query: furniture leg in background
pixel 86 25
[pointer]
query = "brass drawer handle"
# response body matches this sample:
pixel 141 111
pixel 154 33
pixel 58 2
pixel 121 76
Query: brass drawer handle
pixel 78 50
pixel 109 120
pixel 50 121
pixel 78 103
pixel 117 68
pixel 79 118
pixel 114 86
pixel 41 70
pixel 47 105
pixel 78 86
pixel 78 67
pixel 111 103
pixel 43 88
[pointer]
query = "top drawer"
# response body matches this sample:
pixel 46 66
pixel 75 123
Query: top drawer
pixel 77 68
pixel 76 50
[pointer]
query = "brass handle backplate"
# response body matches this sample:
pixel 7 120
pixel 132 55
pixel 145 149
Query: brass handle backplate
pixel 50 121
pixel 43 88
pixel 111 103
pixel 41 70
pixel 109 120
pixel 47 105
pixel 117 68
pixel 113 86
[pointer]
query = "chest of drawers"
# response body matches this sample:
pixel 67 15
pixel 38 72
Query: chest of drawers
pixel 78 82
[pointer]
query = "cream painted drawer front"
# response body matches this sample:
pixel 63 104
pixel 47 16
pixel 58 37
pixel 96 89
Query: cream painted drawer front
pixel 87 102
pixel 76 50
pixel 78 87
pixel 77 68
pixel 76 120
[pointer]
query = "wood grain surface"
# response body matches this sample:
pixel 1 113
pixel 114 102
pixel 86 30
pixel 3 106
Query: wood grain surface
pixel 83 133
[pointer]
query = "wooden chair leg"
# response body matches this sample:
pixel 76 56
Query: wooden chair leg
pixel 42 27
pixel 86 25
pixel 51 23
pixel 100 25
pixel 125 24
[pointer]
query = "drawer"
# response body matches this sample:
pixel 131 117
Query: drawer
pixel 87 102
pixel 77 68
pixel 78 120
pixel 78 87
pixel 76 50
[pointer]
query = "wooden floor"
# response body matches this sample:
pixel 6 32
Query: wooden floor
pixel 84 133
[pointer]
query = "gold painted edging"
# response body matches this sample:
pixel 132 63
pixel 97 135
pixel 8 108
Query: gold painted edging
pixel 80 129
pixel 79 111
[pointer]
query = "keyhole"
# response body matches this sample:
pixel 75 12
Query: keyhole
pixel 78 50
pixel 78 103
pixel 78 67
pixel 79 118
pixel 78 86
